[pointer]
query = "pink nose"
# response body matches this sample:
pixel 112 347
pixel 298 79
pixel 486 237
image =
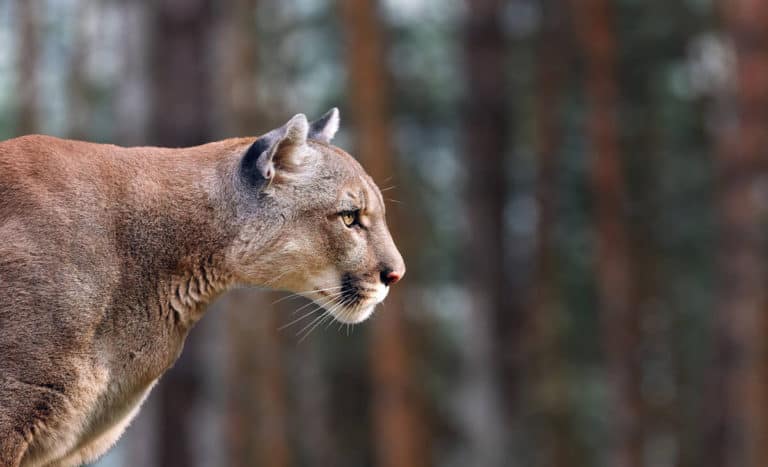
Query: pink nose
pixel 390 277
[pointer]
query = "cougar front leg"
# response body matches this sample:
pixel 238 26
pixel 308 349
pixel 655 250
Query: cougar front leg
pixel 13 443
pixel 25 412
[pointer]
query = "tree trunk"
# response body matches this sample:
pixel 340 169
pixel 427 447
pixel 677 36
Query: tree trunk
pixel 131 99
pixel 398 432
pixel 740 434
pixel 546 363
pixel 181 97
pixel 492 358
pixel 77 115
pixel 28 85
pixel 181 79
pixel 237 89
pixel 140 441
pixel 257 421
pixel 317 442
pixel 257 431
pixel 594 19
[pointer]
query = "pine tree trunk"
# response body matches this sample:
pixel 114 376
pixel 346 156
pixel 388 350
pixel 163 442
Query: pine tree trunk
pixel 139 443
pixel 131 99
pixel 28 87
pixel 256 431
pixel 595 25
pixel 256 427
pixel 180 116
pixel 317 443
pixel 740 434
pixel 237 90
pixel 77 80
pixel 398 431
pixel 546 362
pixel 491 357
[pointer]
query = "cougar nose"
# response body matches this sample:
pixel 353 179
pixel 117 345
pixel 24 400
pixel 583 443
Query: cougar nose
pixel 390 277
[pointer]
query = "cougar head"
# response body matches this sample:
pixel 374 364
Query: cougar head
pixel 323 219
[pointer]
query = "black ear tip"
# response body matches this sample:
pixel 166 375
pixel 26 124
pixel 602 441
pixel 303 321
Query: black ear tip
pixel 331 115
pixel 325 127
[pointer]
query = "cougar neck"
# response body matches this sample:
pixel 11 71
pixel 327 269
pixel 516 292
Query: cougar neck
pixel 184 296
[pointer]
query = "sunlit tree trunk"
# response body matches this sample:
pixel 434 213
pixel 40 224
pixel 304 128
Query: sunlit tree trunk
pixel 398 426
pixel 28 86
pixel 740 434
pixel 546 319
pixel 180 116
pixel 595 25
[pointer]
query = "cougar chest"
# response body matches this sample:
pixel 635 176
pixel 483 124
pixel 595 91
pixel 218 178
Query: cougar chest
pixel 112 415
pixel 131 379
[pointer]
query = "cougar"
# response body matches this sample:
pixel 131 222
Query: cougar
pixel 109 255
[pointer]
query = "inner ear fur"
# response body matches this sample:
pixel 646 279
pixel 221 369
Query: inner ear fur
pixel 280 148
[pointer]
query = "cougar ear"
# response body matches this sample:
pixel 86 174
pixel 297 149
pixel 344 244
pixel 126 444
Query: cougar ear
pixel 324 128
pixel 277 149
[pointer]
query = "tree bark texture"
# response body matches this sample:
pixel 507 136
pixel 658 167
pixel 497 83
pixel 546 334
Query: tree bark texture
pixel 740 433
pixel 29 13
pixel 620 328
pixel 180 116
pixel 545 324
pixel 493 353
pixel 399 439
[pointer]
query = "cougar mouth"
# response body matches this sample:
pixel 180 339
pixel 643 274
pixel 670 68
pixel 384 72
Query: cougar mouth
pixel 355 300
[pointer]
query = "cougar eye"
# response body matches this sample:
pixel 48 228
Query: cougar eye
pixel 350 218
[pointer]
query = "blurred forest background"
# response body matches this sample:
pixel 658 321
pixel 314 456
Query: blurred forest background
pixel 578 189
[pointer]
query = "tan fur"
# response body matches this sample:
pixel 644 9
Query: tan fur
pixel 109 255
